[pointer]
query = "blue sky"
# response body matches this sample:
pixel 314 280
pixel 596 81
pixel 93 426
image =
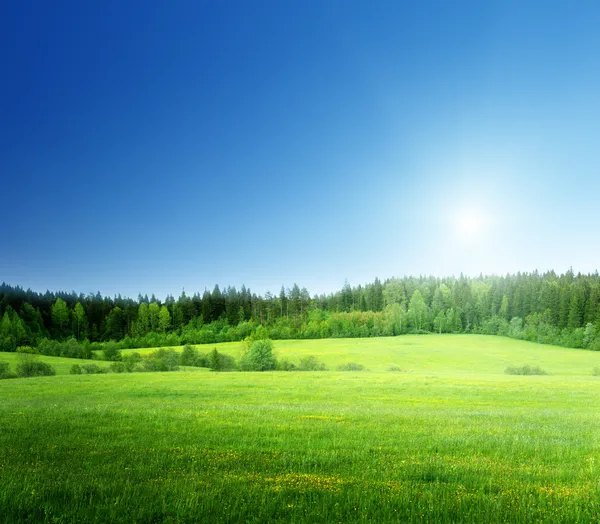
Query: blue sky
pixel 154 146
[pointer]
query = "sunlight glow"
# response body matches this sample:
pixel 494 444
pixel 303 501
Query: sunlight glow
pixel 470 224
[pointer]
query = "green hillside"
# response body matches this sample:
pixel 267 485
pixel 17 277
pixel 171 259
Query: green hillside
pixel 452 439
pixel 428 353
pixel 60 364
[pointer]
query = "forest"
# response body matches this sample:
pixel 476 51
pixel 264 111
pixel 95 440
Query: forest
pixel 546 308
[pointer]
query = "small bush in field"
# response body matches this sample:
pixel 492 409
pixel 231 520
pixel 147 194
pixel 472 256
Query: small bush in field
pixel 220 361
pixel 161 360
pixel 524 370
pixel 92 369
pixel 28 349
pixel 30 366
pixel 395 368
pixel 111 351
pixel 5 371
pixel 190 356
pixel 351 366
pixel 285 365
pixel 117 367
pixel 75 369
pixel 311 363
pixel 259 357
pixel 131 361
pixel 596 371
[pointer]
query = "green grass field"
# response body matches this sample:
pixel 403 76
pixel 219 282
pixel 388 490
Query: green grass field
pixel 426 353
pixel 452 439
pixel 61 365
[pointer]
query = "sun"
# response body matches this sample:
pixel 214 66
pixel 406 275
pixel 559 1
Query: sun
pixel 470 224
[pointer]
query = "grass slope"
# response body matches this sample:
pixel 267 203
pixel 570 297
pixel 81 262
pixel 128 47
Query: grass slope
pixel 60 364
pixel 428 353
pixel 455 440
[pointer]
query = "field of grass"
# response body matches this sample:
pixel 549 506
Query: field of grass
pixel 61 365
pixel 453 439
pixel 426 353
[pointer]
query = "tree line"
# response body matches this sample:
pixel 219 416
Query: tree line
pixel 549 308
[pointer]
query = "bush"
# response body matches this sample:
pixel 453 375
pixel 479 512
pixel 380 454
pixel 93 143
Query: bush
pixel 30 366
pixel 311 363
pixel 351 366
pixel 49 347
pixel 161 360
pixel 524 370
pixel 191 357
pixel 259 357
pixel 75 369
pixel 131 361
pixel 395 368
pixel 28 349
pixel 93 369
pixel 5 371
pixel 220 361
pixel 73 349
pixel 111 351
pixel 285 365
pixel 117 367
pixel 596 371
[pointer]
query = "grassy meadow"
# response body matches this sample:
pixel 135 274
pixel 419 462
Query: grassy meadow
pixel 451 438
pixel 425 353
pixel 61 365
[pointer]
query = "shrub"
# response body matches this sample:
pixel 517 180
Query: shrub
pixel 220 361
pixel 75 369
pixel 190 357
pixel 311 363
pixel 131 361
pixel 28 349
pixel 285 365
pixel 161 360
pixel 259 357
pixel 30 366
pixel 73 349
pixel 5 371
pixel 111 351
pixel 49 347
pixel 351 366
pixel 117 367
pixel 524 370
pixel 596 371
pixel 260 333
pixel 92 369
pixel 395 368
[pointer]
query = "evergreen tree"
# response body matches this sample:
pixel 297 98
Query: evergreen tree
pixel 115 324
pixel 503 312
pixel 577 307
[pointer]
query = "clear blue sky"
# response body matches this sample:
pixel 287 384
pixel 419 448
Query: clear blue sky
pixel 154 146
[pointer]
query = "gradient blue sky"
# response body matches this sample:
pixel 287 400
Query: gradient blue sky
pixel 154 146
